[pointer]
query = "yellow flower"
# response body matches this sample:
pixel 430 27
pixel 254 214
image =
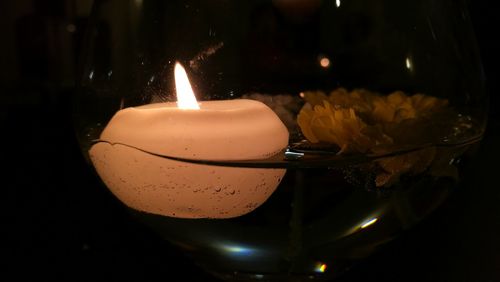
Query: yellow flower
pixel 325 123
pixel 362 121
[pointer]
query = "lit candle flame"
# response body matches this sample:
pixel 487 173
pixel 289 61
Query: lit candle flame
pixel 185 94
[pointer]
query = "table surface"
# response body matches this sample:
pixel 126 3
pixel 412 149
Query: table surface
pixel 62 225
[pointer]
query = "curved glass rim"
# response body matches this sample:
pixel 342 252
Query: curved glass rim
pixel 296 157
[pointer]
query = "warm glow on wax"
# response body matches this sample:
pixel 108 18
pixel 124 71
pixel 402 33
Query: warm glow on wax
pixel 136 158
pixel 185 94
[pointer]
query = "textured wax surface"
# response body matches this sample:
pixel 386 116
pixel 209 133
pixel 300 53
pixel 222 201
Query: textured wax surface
pixel 227 130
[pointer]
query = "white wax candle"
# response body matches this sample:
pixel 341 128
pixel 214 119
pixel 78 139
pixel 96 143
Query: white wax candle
pixel 219 130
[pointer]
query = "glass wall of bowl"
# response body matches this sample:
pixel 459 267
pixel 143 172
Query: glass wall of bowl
pixel 271 139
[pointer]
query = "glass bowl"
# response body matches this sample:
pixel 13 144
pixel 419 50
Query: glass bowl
pixel 276 139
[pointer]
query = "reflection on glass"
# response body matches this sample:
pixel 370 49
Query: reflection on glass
pixel 237 250
pixel 324 62
pixel 368 222
pixel 408 63
pixel 320 267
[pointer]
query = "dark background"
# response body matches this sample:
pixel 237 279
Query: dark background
pixel 60 224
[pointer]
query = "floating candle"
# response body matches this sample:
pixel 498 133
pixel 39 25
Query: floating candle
pixel 237 129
